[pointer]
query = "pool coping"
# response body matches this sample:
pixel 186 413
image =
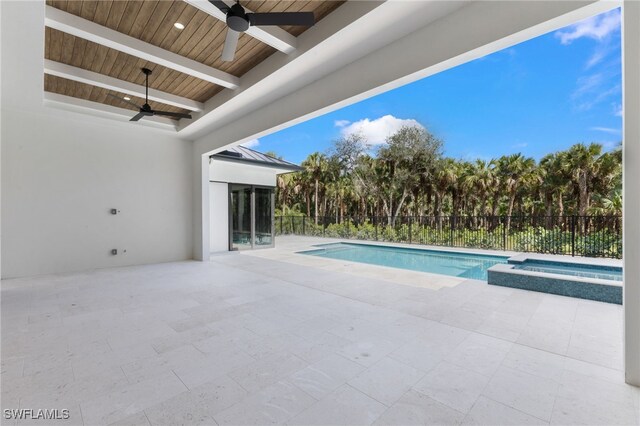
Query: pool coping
pixel 557 258
pixel 319 247
pixel 460 250
pixel 393 275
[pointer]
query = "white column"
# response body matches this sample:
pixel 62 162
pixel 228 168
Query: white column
pixel 201 215
pixel 631 223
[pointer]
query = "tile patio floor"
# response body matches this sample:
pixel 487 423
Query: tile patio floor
pixel 251 339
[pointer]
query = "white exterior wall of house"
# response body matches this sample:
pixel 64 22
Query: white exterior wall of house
pixel 631 176
pixel 63 171
pixel 219 210
pixel 61 177
pixel 242 172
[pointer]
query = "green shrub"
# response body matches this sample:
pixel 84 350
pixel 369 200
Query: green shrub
pixel 531 239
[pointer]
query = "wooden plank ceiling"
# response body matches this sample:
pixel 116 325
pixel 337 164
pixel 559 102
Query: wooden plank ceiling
pixel 153 21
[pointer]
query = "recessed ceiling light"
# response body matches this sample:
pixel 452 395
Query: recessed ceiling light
pixel 126 98
pixel 179 26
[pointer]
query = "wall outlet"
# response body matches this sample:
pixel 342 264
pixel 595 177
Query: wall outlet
pixel 114 252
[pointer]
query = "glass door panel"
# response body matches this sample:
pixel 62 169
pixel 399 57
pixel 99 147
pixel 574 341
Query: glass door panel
pixel 264 217
pixel 240 217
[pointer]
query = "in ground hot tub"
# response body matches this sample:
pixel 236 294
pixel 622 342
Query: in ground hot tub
pixel 593 279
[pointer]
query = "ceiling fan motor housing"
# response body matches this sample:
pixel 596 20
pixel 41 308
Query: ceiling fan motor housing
pixel 237 18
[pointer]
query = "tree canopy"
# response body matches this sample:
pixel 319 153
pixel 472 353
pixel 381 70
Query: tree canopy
pixel 410 176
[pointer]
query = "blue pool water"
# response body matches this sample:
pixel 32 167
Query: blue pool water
pixel 585 271
pixel 462 265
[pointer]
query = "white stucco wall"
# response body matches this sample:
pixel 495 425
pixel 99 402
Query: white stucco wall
pixel 631 175
pixel 61 177
pixel 219 210
pixel 242 172
pixel 63 171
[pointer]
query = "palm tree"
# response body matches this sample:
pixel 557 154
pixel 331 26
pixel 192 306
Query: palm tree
pixel 480 180
pixel 345 193
pixel 315 165
pixel 582 165
pixel 455 173
pixel 304 183
pixel 608 178
pixel 445 177
pixel 553 183
pixel 514 169
pixel 608 206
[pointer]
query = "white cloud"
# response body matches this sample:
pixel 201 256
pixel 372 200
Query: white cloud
pixel 617 111
pixel 520 145
pixel 596 87
pixel 593 89
pixel 596 28
pixel 598 55
pixel 587 84
pixel 251 144
pixel 605 130
pixel 591 99
pixel 376 131
pixel 341 123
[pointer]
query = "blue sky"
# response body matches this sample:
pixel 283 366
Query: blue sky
pixel 537 97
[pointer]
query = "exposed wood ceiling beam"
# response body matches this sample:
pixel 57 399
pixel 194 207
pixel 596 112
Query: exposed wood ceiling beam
pixel 100 80
pixel 100 109
pixel 274 36
pixel 74 25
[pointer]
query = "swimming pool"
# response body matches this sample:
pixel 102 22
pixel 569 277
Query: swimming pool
pixel 576 270
pixel 464 265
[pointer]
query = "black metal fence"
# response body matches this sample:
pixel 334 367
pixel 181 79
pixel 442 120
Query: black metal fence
pixel 591 236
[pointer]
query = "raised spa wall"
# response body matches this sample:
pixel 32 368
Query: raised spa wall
pixel 506 275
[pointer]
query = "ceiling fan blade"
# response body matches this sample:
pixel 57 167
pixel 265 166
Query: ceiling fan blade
pixel 124 100
pixel 138 116
pixel 230 45
pixel 171 114
pixel 220 5
pixel 282 18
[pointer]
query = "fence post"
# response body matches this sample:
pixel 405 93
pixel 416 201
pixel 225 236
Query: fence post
pixel 409 229
pixel 573 235
pixel 451 224
pixel 281 230
pixel 304 225
pixel 324 225
pixel 504 234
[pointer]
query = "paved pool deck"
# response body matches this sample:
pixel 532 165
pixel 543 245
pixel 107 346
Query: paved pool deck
pixel 250 338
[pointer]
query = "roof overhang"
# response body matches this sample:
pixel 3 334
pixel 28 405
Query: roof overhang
pixel 443 35
pixel 283 167
pixel 354 30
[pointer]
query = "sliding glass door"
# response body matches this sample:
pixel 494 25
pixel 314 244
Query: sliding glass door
pixel 250 217
pixel 240 220
pixel 264 217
